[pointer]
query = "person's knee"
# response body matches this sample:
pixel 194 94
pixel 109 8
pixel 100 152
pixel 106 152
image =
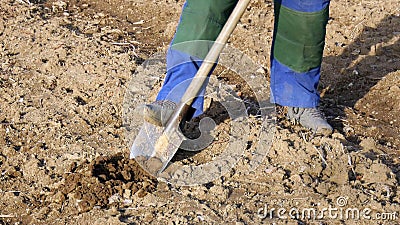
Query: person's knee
pixel 212 10
pixel 200 24
pixel 301 32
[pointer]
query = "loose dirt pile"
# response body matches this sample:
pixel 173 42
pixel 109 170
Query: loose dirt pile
pixel 64 72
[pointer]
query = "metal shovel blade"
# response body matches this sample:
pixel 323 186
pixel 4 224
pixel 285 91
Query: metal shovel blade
pixel 153 147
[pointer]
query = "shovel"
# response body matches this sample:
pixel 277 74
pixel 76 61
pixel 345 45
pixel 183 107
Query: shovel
pixel 155 146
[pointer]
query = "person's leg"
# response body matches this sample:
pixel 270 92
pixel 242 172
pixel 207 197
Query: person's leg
pixel 200 24
pixel 296 56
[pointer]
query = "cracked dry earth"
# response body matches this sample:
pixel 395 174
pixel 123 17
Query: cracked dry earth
pixel 64 71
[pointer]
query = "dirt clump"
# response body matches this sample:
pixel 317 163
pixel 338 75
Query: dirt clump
pixel 94 183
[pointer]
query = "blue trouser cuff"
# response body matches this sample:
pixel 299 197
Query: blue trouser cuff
pixel 181 68
pixel 290 88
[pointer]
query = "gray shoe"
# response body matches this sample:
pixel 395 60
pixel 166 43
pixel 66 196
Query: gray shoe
pixel 310 118
pixel 158 112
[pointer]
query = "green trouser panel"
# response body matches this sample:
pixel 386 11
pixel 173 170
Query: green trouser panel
pixel 201 20
pixel 299 37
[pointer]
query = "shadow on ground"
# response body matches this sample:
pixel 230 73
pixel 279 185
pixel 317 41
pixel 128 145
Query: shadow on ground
pixel 355 99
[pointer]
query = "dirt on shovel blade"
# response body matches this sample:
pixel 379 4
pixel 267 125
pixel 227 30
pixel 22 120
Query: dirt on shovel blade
pixel 153 164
